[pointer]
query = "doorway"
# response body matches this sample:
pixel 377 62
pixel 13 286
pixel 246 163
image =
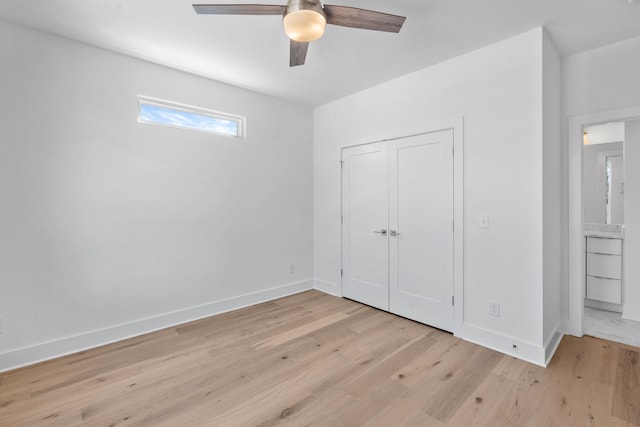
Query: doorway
pixel 397 226
pixel 591 222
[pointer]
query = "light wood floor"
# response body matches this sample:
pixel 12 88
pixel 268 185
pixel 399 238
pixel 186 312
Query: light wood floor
pixel 313 359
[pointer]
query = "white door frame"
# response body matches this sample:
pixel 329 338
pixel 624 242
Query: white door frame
pixel 457 125
pixel 577 266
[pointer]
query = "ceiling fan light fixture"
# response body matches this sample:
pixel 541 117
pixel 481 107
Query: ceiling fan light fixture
pixel 304 20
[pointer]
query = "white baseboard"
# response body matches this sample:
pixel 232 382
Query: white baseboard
pixel 504 344
pixel 552 342
pixel 603 305
pixel 631 312
pixel 20 357
pixel 568 328
pixel 327 287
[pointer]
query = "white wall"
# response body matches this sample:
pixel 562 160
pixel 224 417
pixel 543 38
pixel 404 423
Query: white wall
pixel 553 215
pixel 595 83
pixel 499 92
pixel 111 228
pixel 602 79
pixel 631 308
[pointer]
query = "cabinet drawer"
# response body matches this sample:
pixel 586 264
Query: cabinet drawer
pixel 607 290
pixel 604 246
pixel 609 266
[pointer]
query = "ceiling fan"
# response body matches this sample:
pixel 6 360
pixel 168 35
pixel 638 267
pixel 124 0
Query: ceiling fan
pixel 304 20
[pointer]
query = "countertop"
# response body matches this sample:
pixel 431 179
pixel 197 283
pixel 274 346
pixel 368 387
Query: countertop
pixel 608 231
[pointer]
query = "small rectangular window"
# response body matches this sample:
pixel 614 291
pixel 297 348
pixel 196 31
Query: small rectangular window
pixel 165 113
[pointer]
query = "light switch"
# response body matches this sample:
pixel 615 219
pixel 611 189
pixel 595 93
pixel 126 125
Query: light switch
pixel 483 220
pixel 494 308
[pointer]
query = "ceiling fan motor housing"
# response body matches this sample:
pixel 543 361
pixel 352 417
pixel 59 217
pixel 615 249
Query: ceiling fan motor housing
pixel 304 20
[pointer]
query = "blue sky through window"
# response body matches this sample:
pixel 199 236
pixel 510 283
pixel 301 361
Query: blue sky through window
pixel 165 115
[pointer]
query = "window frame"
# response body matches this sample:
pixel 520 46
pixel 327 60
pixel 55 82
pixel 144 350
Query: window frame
pixel 198 111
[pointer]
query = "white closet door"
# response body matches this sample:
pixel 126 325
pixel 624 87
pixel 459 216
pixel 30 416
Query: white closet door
pixel 365 201
pixel 421 228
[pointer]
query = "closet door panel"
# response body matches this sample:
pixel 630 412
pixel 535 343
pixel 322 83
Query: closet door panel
pixel 365 201
pixel 421 214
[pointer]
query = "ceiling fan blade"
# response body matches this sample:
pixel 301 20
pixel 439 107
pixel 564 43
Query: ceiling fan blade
pixel 362 18
pixel 239 9
pixel 298 53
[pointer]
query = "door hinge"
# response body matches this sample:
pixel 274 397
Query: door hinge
pixel 341 219
pixel 453 300
pixel 453 151
pixel 341 273
pixel 341 163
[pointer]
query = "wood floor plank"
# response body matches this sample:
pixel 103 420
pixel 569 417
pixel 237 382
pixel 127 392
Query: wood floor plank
pixel 384 370
pixel 316 360
pixel 364 408
pixel 482 406
pixel 316 409
pixel 300 331
pixel 626 396
pixel 510 367
pixel 457 386
pixel 415 371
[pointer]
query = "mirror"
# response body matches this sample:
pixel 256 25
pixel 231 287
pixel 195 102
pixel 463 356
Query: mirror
pixel 615 189
pixel 603 174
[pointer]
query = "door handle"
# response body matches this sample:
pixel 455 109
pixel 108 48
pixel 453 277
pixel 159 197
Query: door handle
pixel 393 233
pixel 381 231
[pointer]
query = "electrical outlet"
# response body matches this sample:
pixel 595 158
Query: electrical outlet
pixel 292 268
pixel 494 308
pixel 483 220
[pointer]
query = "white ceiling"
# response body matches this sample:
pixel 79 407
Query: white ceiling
pixel 253 52
pixel 603 134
